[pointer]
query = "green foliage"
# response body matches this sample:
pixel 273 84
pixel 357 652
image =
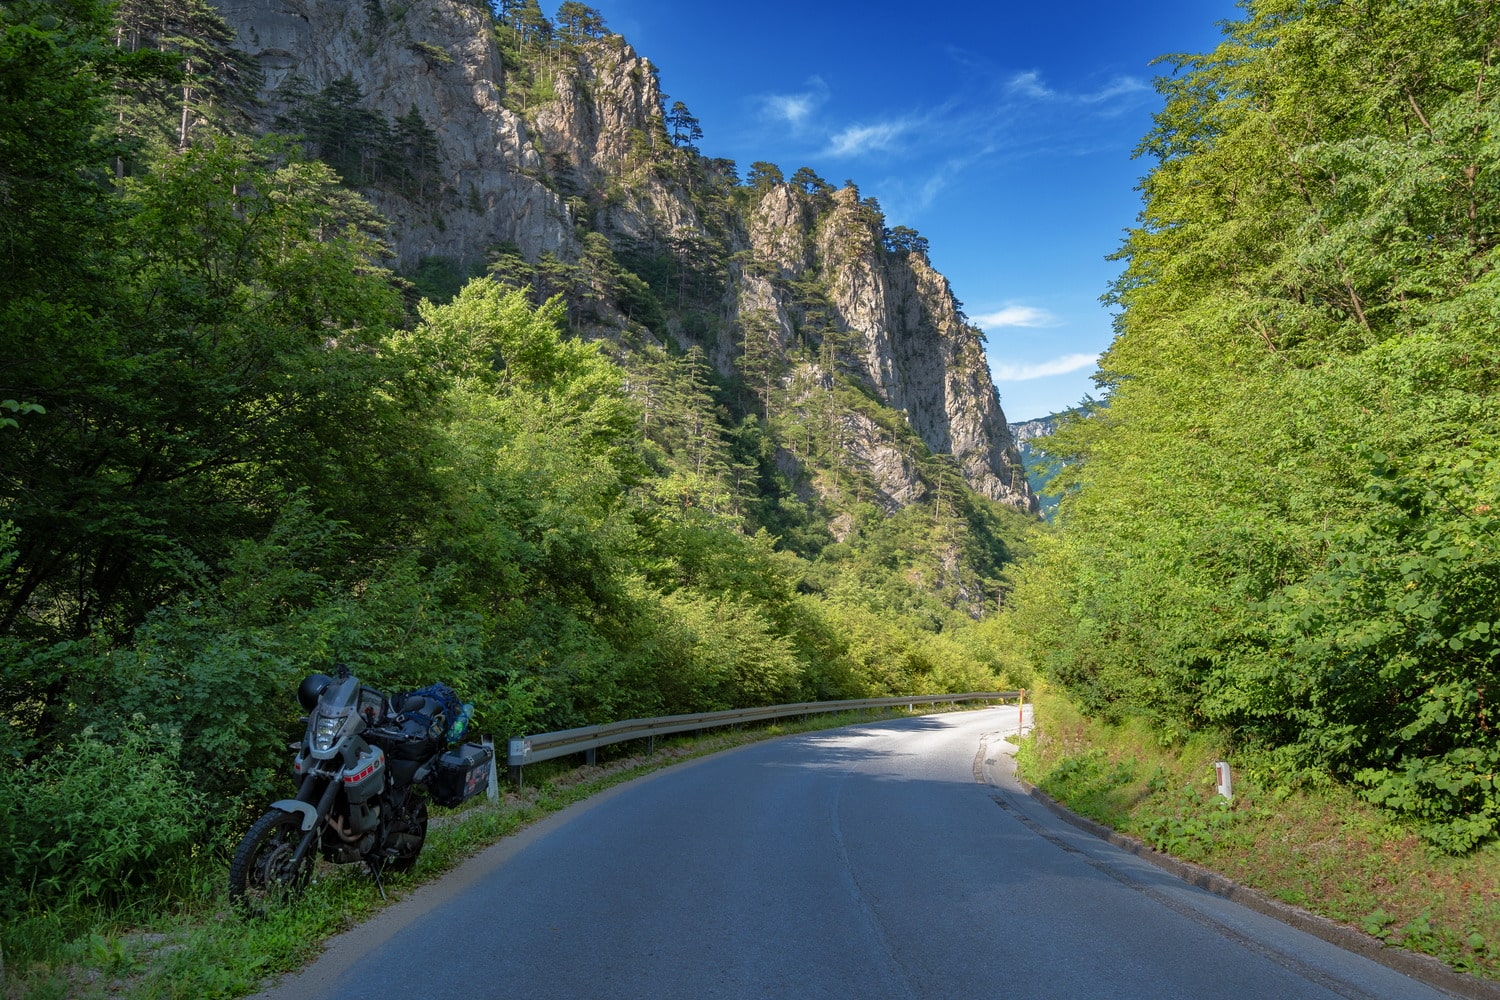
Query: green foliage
pixel 1393 638
pixel 204 85
pixel 362 146
pixel 438 279
pixel 18 408
pixel 54 77
pixel 764 176
pixel 205 388
pixel 97 820
pixel 1191 826
pixel 729 653
pixel 683 127
pixel 1280 520
pixel 577 21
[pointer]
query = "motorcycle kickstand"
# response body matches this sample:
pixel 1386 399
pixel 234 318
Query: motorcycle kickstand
pixel 375 870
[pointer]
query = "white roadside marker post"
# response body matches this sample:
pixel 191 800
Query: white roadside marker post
pixel 1226 782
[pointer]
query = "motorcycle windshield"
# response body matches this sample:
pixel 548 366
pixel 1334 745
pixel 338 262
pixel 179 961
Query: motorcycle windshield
pixel 335 713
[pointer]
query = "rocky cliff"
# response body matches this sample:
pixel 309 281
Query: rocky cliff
pixel 437 56
pixel 541 148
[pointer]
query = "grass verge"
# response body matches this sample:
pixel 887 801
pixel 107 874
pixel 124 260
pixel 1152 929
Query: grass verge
pixel 191 946
pixel 1317 847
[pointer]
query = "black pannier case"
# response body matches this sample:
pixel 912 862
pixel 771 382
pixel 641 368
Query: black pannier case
pixel 461 774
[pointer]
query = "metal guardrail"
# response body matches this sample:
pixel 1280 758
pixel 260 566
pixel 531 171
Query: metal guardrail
pixel 586 739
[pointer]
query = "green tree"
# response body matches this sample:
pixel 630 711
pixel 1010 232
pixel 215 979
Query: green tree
pixel 339 130
pixel 905 240
pixel 578 21
pixel 684 128
pixel 531 24
pixel 809 183
pixel 214 80
pixel 413 155
pixel 762 359
pixel 1311 252
pixel 211 388
pixel 763 176
pixel 56 145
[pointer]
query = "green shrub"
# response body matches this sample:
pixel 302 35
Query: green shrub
pixel 97 820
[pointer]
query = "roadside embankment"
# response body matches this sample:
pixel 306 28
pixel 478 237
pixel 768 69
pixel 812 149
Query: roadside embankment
pixel 1316 846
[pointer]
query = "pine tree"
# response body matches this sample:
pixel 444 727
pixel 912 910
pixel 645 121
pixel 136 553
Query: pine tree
pixel 762 359
pixel 215 81
pixel 343 133
pixel 413 154
pixel 578 21
pixel 684 128
pixel 763 176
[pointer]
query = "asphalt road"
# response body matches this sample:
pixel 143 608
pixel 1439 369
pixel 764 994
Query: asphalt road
pixel 889 860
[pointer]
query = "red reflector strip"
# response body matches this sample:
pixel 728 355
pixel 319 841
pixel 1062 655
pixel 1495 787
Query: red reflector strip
pixel 351 779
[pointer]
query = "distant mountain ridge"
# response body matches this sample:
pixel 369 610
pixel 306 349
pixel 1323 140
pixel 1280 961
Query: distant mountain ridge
pixel 1030 437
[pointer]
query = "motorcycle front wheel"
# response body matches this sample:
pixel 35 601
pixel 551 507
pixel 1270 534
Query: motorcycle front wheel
pixel 262 872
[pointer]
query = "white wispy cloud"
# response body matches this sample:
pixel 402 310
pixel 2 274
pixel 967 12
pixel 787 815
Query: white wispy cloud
pixel 1120 86
pixel 1031 85
pixel 1064 365
pixel 795 109
pixel 859 139
pixel 1027 316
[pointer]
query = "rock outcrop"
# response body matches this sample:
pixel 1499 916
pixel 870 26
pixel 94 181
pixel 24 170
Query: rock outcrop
pixel 439 57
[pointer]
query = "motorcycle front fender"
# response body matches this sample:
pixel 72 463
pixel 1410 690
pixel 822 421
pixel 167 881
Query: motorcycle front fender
pixel 308 811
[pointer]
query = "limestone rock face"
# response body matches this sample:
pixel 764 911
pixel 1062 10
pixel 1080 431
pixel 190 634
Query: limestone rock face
pixel 778 232
pixel 439 57
pixel 595 134
pixel 595 156
pixel 901 328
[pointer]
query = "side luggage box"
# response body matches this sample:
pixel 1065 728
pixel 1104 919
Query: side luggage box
pixel 461 774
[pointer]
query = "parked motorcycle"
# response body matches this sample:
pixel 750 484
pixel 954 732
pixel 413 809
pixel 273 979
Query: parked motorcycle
pixel 366 768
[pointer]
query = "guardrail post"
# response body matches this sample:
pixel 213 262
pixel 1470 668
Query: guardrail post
pixel 588 756
pixel 519 749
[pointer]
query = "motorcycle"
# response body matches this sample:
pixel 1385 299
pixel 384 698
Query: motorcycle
pixel 366 769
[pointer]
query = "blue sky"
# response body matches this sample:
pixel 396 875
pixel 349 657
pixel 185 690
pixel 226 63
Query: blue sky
pixel 1000 131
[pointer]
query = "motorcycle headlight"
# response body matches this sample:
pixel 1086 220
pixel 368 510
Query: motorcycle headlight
pixel 326 732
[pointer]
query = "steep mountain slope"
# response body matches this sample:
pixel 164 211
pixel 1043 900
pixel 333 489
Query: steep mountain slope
pixel 531 139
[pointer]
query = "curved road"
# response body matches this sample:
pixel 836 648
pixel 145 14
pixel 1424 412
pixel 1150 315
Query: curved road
pixel 896 859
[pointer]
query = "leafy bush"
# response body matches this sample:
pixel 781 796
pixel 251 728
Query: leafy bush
pixel 1397 649
pixel 97 820
pixel 735 659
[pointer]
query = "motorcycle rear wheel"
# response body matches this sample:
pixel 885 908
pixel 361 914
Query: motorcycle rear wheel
pixel 262 873
pixel 415 836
